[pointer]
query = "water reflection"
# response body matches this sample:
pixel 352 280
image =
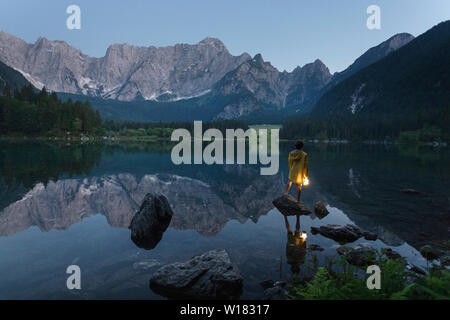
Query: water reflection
pixel 295 245
pixel 196 204
pixel 89 189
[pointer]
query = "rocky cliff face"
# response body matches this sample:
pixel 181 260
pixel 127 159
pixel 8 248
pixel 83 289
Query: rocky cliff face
pixel 256 85
pixel 306 83
pixel 126 72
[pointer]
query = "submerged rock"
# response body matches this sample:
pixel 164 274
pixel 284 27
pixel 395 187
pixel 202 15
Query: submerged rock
pixel 391 254
pixel 370 236
pixel 410 191
pixel 147 264
pixel 150 221
pixel 340 234
pixel 266 284
pixel 289 206
pixel 276 292
pixel 210 275
pixel 415 269
pixel 445 260
pixel 429 253
pixel 315 247
pixel 320 210
pixel 360 255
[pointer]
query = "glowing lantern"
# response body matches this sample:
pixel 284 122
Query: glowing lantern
pixel 304 236
pixel 306 182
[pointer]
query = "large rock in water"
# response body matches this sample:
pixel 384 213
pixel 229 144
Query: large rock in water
pixel 151 221
pixel 343 234
pixel 340 234
pixel 360 255
pixel 289 206
pixel 211 275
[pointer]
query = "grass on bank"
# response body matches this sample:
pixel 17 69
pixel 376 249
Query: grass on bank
pixel 396 283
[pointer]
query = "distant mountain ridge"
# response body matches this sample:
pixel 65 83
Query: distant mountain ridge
pixel 371 56
pixel 413 78
pixel 125 72
pixel 201 81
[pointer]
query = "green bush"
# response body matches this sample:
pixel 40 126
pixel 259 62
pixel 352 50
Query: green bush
pixel 328 284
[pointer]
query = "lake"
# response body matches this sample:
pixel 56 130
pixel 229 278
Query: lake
pixel 64 204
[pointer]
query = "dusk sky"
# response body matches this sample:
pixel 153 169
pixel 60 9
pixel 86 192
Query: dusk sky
pixel 286 33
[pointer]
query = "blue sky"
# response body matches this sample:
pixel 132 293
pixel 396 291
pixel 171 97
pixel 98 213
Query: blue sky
pixel 286 32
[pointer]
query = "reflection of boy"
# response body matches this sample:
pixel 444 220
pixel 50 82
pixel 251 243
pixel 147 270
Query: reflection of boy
pixel 298 168
pixel 295 246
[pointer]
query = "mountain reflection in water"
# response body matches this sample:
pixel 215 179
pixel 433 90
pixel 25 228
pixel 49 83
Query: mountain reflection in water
pixel 196 206
pixel 84 196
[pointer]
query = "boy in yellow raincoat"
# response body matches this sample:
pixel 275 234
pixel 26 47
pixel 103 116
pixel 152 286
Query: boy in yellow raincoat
pixel 298 168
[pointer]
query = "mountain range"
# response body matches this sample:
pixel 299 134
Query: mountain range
pixel 183 82
pixel 414 77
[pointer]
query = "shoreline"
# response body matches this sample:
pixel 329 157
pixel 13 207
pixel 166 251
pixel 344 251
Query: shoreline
pixel 83 139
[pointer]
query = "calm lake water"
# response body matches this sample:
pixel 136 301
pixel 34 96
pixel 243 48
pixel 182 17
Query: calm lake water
pixel 72 204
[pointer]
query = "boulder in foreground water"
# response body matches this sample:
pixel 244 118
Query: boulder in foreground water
pixel 289 206
pixel 151 221
pixel 211 275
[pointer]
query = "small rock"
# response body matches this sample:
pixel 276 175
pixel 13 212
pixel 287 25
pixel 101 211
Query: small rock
pixel 391 254
pixel 360 255
pixel 415 269
pixel 340 234
pixel 277 292
pixel 315 247
pixel 266 284
pixel 210 275
pixel 445 260
pixel 370 236
pixel 429 252
pixel 320 210
pixel 148 264
pixel 289 206
pixel 150 221
pixel 410 191
pixel 281 284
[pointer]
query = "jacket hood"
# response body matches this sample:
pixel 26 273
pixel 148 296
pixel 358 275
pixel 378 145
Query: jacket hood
pixel 297 155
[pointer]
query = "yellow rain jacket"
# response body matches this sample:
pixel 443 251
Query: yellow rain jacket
pixel 298 166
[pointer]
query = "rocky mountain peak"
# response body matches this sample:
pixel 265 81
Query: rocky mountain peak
pixel 397 41
pixel 258 59
pixel 214 42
